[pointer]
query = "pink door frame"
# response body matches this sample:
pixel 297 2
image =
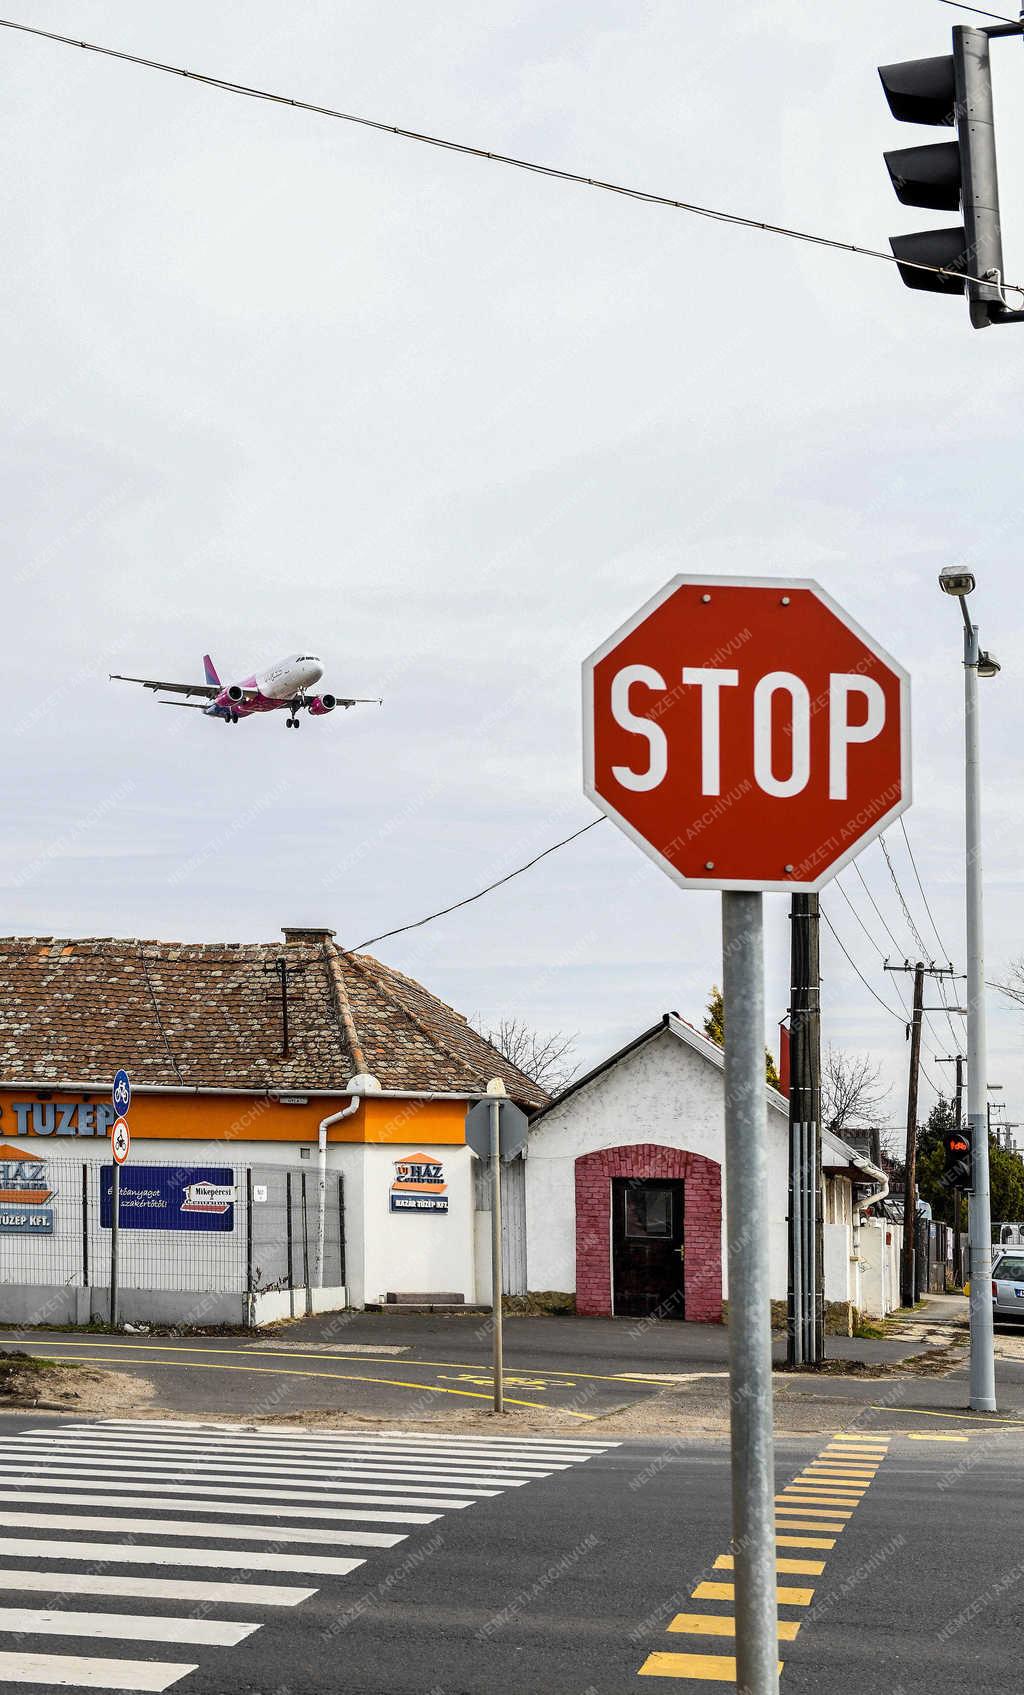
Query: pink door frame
pixel 702 1197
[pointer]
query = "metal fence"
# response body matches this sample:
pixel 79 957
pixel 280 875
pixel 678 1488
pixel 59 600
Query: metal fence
pixel 225 1227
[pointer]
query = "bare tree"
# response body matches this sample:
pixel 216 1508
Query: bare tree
pixel 851 1093
pixel 547 1060
pixel 1013 985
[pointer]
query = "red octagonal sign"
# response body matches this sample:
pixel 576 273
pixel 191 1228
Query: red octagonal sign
pixel 746 733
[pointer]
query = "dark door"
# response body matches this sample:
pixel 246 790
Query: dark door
pixel 647 1247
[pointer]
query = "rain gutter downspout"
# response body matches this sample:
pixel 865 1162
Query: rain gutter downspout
pixel 321 1180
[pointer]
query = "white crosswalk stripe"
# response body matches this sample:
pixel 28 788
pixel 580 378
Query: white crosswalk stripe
pixel 240 1501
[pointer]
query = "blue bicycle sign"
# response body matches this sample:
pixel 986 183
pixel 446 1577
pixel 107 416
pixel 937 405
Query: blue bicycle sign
pixel 121 1093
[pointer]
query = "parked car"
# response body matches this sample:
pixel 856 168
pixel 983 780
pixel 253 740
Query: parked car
pixel 1008 1285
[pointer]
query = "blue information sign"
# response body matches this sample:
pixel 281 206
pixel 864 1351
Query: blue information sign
pixel 179 1197
pixel 121 1094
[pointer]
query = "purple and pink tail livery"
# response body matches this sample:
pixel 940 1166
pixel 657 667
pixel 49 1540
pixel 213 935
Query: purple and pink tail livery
pixel 211 670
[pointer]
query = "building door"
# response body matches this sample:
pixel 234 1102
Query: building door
pixel 647 1247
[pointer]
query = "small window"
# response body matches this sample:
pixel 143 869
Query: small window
pixel 649 1212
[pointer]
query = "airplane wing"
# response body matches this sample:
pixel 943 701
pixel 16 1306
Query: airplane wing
pixel 361 700
pixel 208 690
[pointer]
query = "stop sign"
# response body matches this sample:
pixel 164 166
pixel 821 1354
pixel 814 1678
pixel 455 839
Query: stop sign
pixel 746 733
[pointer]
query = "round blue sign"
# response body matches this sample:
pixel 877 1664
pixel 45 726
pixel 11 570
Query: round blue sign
pixel 121 1093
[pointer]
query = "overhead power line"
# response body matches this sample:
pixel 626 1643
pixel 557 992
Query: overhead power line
pixel 469 899
pixel 1000 17
pixel 446 144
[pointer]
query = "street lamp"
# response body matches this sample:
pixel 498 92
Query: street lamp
pixel 977 663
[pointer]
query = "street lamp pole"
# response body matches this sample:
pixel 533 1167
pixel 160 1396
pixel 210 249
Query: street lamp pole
pixel 976 663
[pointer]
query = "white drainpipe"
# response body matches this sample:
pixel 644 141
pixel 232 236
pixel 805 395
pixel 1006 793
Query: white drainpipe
pixel 360 1086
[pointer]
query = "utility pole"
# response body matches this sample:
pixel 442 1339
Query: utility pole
pixel 908 1260
pixel 958 1060
pixel 806 1329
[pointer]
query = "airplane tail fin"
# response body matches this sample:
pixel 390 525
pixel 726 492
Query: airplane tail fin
pixel 211 670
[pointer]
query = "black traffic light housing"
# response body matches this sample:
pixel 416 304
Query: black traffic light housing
pixel 955 91
pixel 958 1146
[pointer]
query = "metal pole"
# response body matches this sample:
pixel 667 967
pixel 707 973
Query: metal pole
pixel 115 1224
pixel 288 1242
pixel 958 1269
pixel 305 1250
pixel 979 1212
pixel 750 1341
pixel 85 1225
pixel 499 1379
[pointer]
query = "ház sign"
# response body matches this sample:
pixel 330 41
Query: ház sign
pixel 419 1185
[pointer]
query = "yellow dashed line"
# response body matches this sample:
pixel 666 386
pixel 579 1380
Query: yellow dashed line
pixel 727 1592
pixel 932 1436
pixel 713 1668
pixel 803 1541
pixel 786 1523
pixel 717 1624
pixel 791 1568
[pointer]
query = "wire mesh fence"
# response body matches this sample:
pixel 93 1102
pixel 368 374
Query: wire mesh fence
pixel 228 1227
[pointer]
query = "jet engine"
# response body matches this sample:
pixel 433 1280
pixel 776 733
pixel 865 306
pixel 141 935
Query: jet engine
pixel 235 694
pixel 322 704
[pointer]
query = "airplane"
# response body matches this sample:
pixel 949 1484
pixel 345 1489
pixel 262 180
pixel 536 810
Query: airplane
pixel 282 685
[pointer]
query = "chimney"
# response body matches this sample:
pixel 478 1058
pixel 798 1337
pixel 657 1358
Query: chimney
pixel 311 933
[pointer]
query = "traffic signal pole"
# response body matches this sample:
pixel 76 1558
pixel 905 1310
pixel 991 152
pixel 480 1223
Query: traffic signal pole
pixel 805 1338
pixel 750 1339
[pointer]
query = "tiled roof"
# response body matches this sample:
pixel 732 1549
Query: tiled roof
pixel 210 1014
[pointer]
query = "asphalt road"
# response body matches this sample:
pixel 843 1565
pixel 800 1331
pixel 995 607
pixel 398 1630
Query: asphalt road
pixel 417 1367
pixel 531 1566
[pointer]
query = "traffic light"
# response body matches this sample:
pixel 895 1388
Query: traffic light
pixel 958 1170
pixel 956 91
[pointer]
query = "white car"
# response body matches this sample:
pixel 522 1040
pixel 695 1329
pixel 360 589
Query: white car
pixel 1008 1284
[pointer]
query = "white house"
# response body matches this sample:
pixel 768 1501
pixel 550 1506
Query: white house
pixel 625 1184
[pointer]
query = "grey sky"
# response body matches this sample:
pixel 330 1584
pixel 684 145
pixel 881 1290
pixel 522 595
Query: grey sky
pixel 276 383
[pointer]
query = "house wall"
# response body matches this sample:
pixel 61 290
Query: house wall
pixel 413 1252
pixel 667 1095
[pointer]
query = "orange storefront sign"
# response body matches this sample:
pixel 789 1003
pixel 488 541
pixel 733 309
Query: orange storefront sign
pixel 62 1119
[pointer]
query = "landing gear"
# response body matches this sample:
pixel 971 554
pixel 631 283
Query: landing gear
pixel 291 723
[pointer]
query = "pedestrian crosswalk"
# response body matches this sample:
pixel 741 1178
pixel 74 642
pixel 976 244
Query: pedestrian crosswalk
pixel 106 1527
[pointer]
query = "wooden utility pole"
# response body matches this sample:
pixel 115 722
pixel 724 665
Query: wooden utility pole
pixel 908 1260
pixel 959 1061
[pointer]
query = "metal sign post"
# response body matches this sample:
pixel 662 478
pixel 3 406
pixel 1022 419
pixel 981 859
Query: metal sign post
pixel 120 1143
pixel 115 1219
pixel 496 1292
pixel 748 736
pixel 750 1339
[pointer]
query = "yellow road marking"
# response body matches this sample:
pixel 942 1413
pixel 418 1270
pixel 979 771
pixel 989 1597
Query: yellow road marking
pixel 727 1592
pixel 716 1624
pixel 791 1568
pixel 933 1436
pixel 803 1541
pixel 819 1497
pixel 842 1473
pixel 712 1668
pixel 854 1436
pixel 158 1346
pixel 343 1376
pixel 989 1419
pixel 784 1506
pixel 785 1523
